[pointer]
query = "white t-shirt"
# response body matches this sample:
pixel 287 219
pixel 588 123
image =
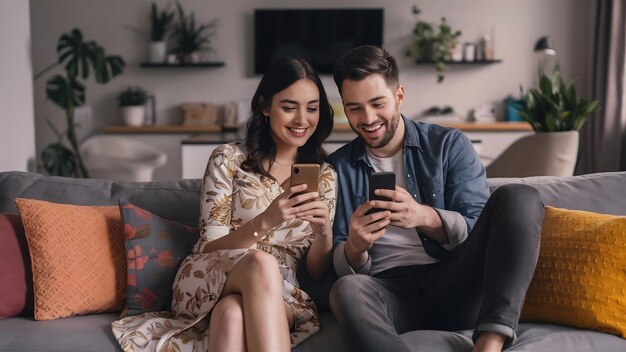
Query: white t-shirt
pixel 398 247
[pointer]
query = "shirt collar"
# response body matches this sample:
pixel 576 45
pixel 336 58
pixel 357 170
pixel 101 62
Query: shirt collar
pixel 411 139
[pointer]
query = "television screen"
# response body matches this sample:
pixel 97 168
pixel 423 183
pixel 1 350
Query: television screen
pixel 320 36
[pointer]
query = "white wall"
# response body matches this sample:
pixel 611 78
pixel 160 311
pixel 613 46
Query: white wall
pixel 17 123
pixel 518 24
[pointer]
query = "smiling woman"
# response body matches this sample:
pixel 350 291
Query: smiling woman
pixel 254 230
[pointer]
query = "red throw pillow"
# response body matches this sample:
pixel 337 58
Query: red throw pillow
pixel 16 277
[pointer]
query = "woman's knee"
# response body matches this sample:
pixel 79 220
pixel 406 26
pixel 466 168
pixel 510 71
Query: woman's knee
pixel 227 315
pixel 261 269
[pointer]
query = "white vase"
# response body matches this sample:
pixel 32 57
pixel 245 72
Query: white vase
pixel 158 52
pixel 133 115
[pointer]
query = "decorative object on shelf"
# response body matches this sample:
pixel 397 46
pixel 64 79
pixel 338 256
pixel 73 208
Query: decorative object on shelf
pixel 512 108
pixel 160 25
pixel 78 57
pixel 192 39
pixel 432 44
pixel 554 106
pixel 132 101
pixel 469 52
pixel 436 114
pixel 484 113
pixel 200 114
pixel 545 51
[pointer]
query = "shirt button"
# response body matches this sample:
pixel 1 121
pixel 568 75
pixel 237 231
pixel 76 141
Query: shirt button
pixel 409 176
pixel 433 195
pixel 414 195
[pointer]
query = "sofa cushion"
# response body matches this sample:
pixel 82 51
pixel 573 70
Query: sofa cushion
pixel 600 192
pixel 175 200
pixel 579 279
pixel 77 255
pixel 155 247
pixel 16 290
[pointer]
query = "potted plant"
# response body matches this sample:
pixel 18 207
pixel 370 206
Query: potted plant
pixel 79 58
pixel 160 25
pixel 191 38
pixel 132 102
pixel 554 106
pixel 556 114
pixel 432 44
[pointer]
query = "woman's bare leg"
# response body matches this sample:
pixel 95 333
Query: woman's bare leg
pixel 257 278
pixel 226 330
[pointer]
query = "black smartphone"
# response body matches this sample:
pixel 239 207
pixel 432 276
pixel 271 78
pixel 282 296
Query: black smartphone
pixel 380 180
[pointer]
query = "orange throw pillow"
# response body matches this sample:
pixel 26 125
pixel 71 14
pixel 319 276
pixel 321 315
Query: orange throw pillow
pixel 78 258
pixel 580 279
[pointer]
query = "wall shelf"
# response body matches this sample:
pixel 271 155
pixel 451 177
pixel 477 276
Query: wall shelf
pixel 481 62
pixel 166 65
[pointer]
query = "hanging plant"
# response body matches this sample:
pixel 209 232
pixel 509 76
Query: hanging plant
pixel 432 43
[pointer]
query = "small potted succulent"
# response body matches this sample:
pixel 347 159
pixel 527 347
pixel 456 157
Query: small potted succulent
pixel 132 102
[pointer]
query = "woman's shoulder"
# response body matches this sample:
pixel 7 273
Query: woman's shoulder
pixel 230 153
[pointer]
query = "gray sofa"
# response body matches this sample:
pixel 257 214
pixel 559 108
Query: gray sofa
pixel 178 200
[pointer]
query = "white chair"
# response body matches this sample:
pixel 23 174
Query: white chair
pixel 120 159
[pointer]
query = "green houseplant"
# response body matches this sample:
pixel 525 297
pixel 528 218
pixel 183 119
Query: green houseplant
pixel 161 22
pixel 432 43
pixel 192 38
pixel 554 106
pixel 79 58
pixel 132 101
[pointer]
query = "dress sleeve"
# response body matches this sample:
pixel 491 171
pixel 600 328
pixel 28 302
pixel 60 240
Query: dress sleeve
pixel 328 190
pixel 216 196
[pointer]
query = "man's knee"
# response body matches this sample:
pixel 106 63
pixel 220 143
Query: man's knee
pixel 349 291
pixel 517 193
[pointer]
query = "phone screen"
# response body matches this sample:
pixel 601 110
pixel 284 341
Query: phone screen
pixel 380 180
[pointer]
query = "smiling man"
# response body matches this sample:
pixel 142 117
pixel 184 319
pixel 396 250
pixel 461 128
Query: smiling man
pixel 442 254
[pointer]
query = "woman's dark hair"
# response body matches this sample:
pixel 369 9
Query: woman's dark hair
pixel 259 142
pixel 364 61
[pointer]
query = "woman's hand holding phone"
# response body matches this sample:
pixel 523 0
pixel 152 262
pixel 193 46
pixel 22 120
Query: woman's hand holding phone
pixel 286 206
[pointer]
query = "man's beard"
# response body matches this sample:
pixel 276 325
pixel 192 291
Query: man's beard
pixel 390 131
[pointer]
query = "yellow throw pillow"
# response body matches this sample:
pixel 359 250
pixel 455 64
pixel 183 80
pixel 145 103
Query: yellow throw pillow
pixel 580 279
pixel 78 258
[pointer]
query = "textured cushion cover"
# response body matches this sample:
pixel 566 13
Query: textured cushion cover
pixel 155 247
pixel 77 255
pixel 16 279
pixel 580 276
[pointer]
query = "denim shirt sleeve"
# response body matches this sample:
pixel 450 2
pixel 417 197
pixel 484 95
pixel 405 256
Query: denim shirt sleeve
pixel 466 190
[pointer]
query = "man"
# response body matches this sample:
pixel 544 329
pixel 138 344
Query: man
pixel 433 258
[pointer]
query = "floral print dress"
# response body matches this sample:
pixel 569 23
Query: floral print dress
pixel 230 198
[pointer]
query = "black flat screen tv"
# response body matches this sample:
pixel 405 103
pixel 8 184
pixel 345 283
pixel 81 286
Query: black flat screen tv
pixel 320 36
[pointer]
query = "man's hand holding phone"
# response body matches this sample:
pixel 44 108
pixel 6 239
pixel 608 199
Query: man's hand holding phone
pixel 405 211
pixel 365 228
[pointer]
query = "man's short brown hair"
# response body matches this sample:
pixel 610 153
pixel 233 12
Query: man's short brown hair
pixel 364 61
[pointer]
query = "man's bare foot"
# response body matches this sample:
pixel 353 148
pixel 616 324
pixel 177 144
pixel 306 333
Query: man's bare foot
pixel 489 342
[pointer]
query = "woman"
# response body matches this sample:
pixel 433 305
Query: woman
pixel 238 290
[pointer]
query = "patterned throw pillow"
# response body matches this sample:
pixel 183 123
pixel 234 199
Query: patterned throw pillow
pixel 77 255
pixel 580 279
pixel 155 247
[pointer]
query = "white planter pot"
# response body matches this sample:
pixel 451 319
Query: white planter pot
pixel 158 52
pixel 133 115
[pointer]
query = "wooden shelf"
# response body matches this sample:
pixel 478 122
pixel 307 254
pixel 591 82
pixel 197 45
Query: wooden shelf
pixel 481 62
pixel 166 65
pixel 162 129
pixel 500 126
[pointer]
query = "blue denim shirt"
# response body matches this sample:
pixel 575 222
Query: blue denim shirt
pixel 441 170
